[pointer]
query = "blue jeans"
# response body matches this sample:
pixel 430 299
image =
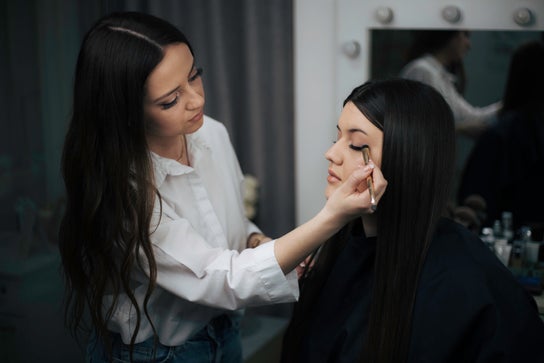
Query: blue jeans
pixel 219 341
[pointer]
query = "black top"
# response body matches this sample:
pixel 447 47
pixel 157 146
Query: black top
pixel 469 307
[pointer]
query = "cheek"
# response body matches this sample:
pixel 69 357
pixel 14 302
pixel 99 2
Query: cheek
pixel 351 163
pixel 376 155
pixel 162 124
pixel 378 162
pixel 150 123
pixel 201 92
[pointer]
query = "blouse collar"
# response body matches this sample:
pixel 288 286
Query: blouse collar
pixel 163 167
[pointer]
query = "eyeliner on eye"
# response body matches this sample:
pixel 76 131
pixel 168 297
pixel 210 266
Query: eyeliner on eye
pixel 167 105
pixel 357 148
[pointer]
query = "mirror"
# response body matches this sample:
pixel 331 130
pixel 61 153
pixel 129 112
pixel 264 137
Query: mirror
pixel 486 67
pixel 486 63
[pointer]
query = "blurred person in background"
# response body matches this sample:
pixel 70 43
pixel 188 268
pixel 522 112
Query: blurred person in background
pixel 436 58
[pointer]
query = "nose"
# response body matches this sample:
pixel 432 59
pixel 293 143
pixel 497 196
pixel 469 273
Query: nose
pixel 332 155
pixel 196 97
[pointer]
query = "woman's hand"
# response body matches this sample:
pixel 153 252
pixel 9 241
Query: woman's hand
pixel 352 198
pixel 349 200
pixel 307 264
pixel 256 239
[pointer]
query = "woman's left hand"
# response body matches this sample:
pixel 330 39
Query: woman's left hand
pixel 256 239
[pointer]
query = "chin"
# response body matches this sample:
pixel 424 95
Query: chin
pixel 196 126
pixel 328 191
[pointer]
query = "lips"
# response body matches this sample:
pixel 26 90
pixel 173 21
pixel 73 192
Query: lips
pixel 332 177
pixel 197 117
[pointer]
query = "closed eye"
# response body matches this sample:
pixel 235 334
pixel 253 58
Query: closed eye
pixel 166 106
pixel 357 148
pixel 353 147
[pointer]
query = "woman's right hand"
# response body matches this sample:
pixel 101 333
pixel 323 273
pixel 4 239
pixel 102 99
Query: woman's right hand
pixel 352 198
pixel 348 201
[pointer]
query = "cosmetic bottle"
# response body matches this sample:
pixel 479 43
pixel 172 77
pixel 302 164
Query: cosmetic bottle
pixel 497 229
pixel 531 248
pixel 507 226
pixel 519 246
pixel 488 238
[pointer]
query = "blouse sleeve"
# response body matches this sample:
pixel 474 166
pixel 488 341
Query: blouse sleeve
pixel 463 111
pixel 227 279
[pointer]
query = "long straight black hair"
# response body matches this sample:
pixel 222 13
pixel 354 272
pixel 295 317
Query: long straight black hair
pixel 107 170
pixel 417 161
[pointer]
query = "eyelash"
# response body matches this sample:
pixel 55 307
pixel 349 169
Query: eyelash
pixel 197 74
pixel 166 106
pixel 353 147
pixel 357 148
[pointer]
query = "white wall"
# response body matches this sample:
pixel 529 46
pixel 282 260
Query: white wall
pixel 324 75
pixel 314 110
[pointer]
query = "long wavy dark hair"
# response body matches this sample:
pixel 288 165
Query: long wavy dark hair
pixel 107 170
pixel 417 161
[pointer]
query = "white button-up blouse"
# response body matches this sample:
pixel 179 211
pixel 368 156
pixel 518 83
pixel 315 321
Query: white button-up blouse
pixel 199 240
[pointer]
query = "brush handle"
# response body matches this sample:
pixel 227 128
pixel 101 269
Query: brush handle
pixel 369 182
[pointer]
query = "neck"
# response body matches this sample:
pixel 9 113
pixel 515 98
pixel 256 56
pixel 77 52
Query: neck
pixel 443 58
pixel 174 148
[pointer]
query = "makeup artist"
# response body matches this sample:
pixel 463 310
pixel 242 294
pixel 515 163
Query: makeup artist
pixel 406 284
pixel 436 58
pixel 153 239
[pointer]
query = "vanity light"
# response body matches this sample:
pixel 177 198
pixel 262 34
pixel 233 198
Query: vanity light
pixel 352 49
pixel 384 14
pixel 452 14
pixel 523 17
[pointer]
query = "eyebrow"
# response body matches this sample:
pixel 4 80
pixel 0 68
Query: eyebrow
pixel 353 130
pixel 175 89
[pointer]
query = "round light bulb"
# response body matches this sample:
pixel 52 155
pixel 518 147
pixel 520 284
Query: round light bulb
pixel 523 17
pixel 384 14
pixel 452 14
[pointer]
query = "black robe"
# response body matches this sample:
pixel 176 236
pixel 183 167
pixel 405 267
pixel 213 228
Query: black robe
pixel 469 307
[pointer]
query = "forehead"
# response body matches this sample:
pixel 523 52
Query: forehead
pixel 352 118
pixel 172 69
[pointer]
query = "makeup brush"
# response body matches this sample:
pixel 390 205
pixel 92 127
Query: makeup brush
pixel 366 157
